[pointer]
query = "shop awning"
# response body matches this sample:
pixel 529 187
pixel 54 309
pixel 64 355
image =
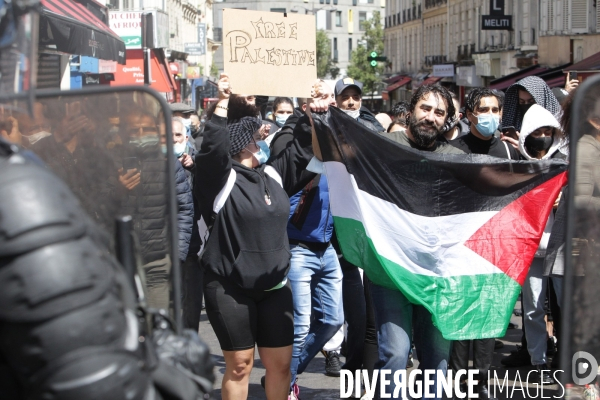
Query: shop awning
pixel 505 81
pixel 432 80
pixel 591 63
pixel 73 29
pixel 132 73
pixel 558 81
pixel 397 83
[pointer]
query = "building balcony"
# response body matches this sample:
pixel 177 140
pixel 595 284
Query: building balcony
pixel 434 60
pixel 434 3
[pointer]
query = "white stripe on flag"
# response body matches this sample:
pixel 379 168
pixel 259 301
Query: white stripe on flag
pixel 423 245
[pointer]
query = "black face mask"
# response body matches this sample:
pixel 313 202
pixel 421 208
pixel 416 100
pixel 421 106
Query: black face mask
pixel 535 145
pixel 524 108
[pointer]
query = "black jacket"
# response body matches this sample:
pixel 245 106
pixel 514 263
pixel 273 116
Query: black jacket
pixel 147 204
pixel 185 210
pixel 367 118
pixel 248 243
pixel 470 143
pixel 286 134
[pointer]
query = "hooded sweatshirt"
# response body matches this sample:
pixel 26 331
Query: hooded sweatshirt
pixel 537 117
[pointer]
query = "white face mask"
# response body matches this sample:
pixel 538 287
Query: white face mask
pixel 36 136
pixel 281 118
pixel 187 122
pixel 179 149
pixel 352 113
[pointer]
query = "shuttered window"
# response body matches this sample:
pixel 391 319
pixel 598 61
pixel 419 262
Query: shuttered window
pixel 579 16
pixel 597 17
pixel 48 73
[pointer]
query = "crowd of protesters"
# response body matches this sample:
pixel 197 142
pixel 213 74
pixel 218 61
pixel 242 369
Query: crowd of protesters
pixel 256 234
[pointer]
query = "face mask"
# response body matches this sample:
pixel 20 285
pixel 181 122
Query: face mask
pixel 163 149
pixel 281 118
pixel 144 141
pixel 179 149
pixel 187 122
pixel 487 124
pixel 538 144
pixel 36 137
pixel 263 154
pixel 524 108
pixel 353 113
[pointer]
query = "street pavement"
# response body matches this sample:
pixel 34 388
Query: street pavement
pixel 314 384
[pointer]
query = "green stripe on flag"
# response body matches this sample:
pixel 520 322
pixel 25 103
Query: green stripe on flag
pixel 463 306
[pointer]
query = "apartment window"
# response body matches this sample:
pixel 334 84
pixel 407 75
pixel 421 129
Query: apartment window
pixel 354 2
pixel 218 34
pixel 335 49
pixel 335 2
pixel 328 20
pixel 113 4
pixel 370 1
pixel 349 47
pixel 338 18
pixel 279 10
pixel 362 17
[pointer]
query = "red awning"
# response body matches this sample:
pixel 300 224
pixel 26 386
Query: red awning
pixel 558 81
pixel 132 73
pixel 73 29
pixel 587 64
pixel 398 83
pixel 432 80
pixel 506 81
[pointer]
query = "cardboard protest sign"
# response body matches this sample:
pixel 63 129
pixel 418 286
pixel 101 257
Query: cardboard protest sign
pixel 268 53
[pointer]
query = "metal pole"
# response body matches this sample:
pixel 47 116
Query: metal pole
pixel 146 45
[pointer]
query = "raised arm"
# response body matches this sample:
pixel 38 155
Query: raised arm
pixel 213 162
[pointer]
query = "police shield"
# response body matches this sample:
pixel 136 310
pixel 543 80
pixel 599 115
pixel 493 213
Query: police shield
pixel 115 151
pixel 579 342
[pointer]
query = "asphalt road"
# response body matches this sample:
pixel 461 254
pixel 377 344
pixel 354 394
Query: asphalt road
pixel 314 384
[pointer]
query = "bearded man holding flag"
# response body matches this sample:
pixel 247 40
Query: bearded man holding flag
pixel 445 238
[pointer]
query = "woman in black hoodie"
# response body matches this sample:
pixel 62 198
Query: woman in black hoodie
pixel 244 201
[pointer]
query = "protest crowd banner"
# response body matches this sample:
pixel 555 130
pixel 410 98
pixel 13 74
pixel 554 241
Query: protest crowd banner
pixel 270 48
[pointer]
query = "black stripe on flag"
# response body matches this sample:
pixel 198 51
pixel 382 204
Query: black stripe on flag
pixel 425 183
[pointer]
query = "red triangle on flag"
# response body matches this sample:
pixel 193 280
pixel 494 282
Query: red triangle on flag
pixel 510 238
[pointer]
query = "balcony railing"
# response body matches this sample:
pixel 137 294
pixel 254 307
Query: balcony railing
pixel 434 3
pixel 433 60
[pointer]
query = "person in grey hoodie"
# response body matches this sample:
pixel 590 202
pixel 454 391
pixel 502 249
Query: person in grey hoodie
pixel 540 139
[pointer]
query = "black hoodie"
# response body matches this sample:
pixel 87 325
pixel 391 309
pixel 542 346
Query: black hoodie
pixel 248 243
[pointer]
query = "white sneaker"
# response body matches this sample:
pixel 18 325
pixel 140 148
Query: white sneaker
pixel 295 392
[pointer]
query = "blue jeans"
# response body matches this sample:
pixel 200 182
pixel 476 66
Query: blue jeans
pixel 316 279
pixel 396 319
pixel 534 296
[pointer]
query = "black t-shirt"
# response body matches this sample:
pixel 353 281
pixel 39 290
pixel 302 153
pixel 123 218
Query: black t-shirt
pixel 470 143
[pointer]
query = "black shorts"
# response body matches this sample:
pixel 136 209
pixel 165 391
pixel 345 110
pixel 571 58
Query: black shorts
pixel 242 318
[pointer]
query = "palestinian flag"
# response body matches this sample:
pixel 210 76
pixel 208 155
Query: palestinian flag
pixel 454 233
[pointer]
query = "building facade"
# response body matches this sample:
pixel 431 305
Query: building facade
pixel 420 35
pixel 340 19
pixel 569 31
pixel 181 26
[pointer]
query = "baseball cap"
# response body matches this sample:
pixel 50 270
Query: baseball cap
pixel 181 107
pixel 345 83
